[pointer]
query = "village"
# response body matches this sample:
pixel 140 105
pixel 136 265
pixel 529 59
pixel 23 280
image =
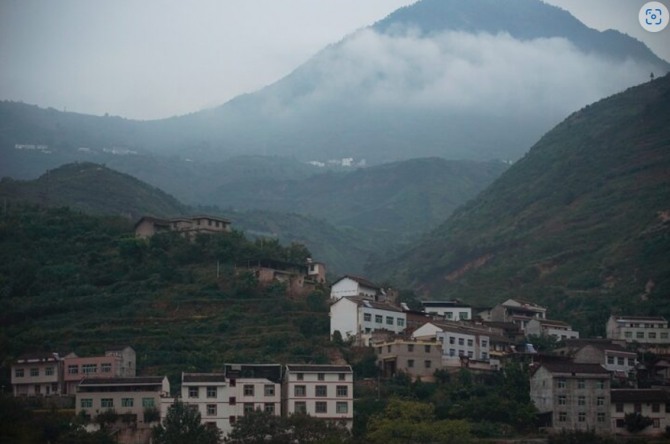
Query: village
pixel 583 384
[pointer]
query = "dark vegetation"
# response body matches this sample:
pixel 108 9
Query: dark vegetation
pixel 70 281
pixel 581 224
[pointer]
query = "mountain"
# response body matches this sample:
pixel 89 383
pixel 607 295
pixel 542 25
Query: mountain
pixel 93 189
pixel 581 223
pixel 459 79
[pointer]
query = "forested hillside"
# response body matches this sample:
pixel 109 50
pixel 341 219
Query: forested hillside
pixel 74 282
pixel 580 224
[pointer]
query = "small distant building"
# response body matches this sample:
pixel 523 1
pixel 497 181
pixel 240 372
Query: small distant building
pixel 358 317
pixel 571 396
pixel 651 403
pixel 418 359
pixel 348 286
pixel 300 279
pixel 545 327
pixel 651 330
pixel 518 311
pixel 117 362
pixel 457 341
pixel 621 363
pixel 37 374
pixel 322 391
pixel 448 310
pixel 189 226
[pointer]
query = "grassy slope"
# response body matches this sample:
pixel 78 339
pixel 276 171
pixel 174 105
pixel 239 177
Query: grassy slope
pixel 579 223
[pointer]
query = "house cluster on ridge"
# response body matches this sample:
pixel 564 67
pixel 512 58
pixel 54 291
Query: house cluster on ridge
pixel 188 226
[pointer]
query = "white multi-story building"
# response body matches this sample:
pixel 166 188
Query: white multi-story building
pixel 348 286
pixel 642 329
pixel 221 398
pixel 37 375
pixel 518 311
pixel 322 391
pixel 449 310
pixel 358 317
pixel 457 341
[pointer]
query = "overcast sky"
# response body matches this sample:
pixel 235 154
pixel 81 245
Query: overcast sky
pixel 158 58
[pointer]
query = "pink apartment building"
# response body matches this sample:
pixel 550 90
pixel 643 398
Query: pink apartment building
pixel 117 362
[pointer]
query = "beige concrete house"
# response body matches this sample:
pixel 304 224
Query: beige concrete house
pixel 189 226
pixel 572 396
pixel 37 374
pixel 300 279
pixel 651 403
pixel 418 359
pixel 117 362
pixel 547 327
pixel 648 330
pixel 322 391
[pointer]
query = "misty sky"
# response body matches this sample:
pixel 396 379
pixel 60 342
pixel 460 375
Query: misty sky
pixel 153 59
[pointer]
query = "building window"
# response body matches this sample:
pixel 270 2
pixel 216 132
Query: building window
pixel 600 400
pixel 342 390
pixel 427 363
pixel 600 384
pixel 233 382
pixel 656 423
pixel 248 390
pixel 452 340
pixel 89 368
pixel 664 335
pixel 389 320
pixel 34 371
pixel 49 371
pixel 148 402
pixel 248 407
pixel 637 407
pixel 463 315
pixel 485 356
pixel 342 377
pixel 581 400
pixel 342 407
pixel 193 392
pixel 562 416
pixel 37 389
pixel 484 343
pixel 299 390
pixel 269 407
pixel 107 403
pixel 410 348
pixel 300 407
pixel 410 363
pixel 426 348
pixel 321 407
pixel 619 360
pixel 652 335
pixel 581 416
pixel 561 383
pixel 320 391
pixel 581 383
pixel 619 407
pixel 106 367
pixel 628 335
pixel 367 317
pixel 610 360
pixel 269 390
pixel 600 417
pixel 461 341
pixel 620 423
pixel 631 362
pixel 72 369
pixel 18 373
pixel 211 392
pixel 232 400
pixel 562 400
pixel 655 407
pixel 321 376
pixel 452 352
pixel 401 322
pixel 300 376
pixel 379 319
pixel 470 354
pixel 86 403
pixel 127 402
pixel 470 343
pixel 232 419
pixel 639 335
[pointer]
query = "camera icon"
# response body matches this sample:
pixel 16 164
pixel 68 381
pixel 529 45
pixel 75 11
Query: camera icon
pixel 653 16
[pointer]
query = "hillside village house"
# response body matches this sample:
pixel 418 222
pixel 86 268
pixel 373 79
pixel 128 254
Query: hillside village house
pixel 449 310
pixel 322 391
pixel 134 396
pixel 357 317
pixel 572 396
pixel 221 398
pixel 418 359
pixel 189 226
pixel 37 374
pixel 545 327
pixel 612 356
pixel 348 286
pixel 457 341
pixel 117 362
pixel 644 330
pixel 651 403
pixel 300 279
pixel 517 311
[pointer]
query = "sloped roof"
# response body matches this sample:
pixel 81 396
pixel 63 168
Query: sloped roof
pixel 573 368
pixel 361 301
pixel 640 395
pixel 316 368
pixel 362 281
pixel 202 377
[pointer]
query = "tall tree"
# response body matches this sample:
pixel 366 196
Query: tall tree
pixel 182 426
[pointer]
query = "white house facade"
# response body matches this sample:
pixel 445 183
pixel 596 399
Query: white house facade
pixel 358 317
pixel 645 330
pixel 348 286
